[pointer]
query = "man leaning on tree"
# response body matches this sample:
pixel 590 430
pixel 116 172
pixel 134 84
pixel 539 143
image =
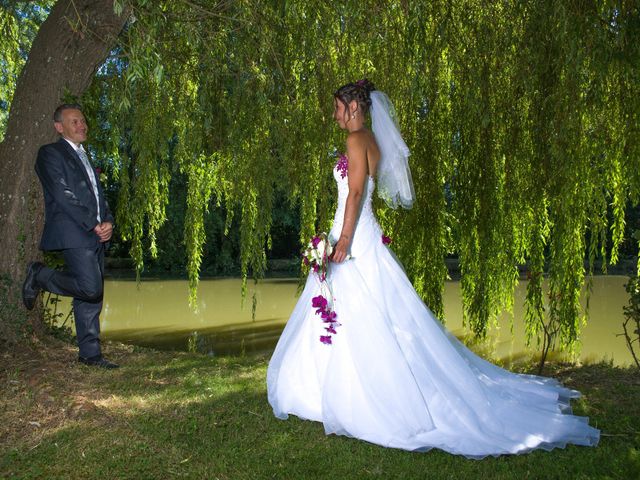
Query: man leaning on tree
pixel 78 223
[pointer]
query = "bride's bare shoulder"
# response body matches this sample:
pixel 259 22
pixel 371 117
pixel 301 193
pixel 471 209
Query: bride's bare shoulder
pixel 365 140
pixel 360 139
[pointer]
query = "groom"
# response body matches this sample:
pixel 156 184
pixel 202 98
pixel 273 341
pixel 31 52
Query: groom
pixel 78 223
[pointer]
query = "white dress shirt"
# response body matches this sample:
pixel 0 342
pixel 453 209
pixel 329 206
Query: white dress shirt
pixel 84 158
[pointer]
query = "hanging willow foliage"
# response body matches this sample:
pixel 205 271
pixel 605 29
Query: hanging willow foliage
pixel 522 119
pixel 17 30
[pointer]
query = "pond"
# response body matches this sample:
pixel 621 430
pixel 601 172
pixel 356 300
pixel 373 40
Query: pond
pixel 156 313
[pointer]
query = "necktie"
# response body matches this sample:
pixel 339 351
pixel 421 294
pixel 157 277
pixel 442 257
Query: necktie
pixel 94 183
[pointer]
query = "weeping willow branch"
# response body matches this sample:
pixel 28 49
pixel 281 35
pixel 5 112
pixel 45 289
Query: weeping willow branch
pixel 523 120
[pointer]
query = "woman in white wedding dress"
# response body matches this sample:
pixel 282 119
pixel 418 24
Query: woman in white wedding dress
pixel 391 374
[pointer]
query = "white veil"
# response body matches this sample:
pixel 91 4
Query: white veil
pixel 394 183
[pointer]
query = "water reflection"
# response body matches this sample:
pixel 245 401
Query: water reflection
pixel 156 314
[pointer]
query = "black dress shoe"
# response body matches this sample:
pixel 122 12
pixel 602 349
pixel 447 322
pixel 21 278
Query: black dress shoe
pixel 30 288
pixel 98 361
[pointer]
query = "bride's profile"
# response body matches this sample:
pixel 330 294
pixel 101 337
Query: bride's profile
pixel 363 354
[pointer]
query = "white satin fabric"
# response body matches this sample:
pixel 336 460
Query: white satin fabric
pixel 395 377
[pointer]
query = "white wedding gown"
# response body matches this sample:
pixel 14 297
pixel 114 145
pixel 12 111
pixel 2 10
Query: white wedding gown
pixel 395 377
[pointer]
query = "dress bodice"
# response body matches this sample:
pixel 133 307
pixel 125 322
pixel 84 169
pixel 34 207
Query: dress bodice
pixel 366 216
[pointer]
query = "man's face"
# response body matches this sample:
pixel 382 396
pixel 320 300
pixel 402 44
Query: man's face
pixel 73 126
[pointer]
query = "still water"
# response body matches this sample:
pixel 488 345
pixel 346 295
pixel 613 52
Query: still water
pixel 156 313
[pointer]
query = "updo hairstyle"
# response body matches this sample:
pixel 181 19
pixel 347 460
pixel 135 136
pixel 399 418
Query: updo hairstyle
pixel 359 91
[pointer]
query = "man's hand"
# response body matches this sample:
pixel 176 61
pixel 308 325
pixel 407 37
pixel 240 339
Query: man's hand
pixel 104 230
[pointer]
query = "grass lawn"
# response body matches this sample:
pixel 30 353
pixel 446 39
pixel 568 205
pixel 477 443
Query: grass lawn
pixel 180 415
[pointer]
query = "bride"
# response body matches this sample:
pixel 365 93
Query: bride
pixel 382 368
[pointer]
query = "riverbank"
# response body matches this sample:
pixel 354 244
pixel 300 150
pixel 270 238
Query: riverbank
pixel 156 314
pixel 124 268
pixel 183 415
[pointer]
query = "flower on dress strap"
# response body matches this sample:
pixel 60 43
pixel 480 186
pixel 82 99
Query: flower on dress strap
pixel 343 165
pixel 386 240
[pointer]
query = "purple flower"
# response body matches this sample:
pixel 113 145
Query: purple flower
pixel 328 316
pixel 386 240
pixel 319 302
pixel 342 165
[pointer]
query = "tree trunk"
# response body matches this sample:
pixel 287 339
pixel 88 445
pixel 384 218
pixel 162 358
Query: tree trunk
pixel 71 44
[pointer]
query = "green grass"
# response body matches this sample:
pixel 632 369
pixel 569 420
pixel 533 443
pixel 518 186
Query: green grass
pixel 180 415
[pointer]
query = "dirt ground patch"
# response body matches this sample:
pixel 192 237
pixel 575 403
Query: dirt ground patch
pixel 44 388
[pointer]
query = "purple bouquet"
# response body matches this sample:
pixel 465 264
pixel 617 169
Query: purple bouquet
pixel 317 257
pixel 328 316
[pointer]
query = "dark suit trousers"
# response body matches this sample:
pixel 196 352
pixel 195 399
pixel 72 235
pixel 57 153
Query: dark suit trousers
pixel 83 279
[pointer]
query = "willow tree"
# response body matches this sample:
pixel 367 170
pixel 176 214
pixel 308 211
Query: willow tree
pixel 66 52
pixel 522 118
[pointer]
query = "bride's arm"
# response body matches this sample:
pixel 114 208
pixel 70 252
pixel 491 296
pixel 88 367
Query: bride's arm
pixel 357 176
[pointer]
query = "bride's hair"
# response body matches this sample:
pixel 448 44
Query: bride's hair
pixel 359 91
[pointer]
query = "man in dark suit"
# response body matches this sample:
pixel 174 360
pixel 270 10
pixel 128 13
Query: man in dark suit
pixel 78 222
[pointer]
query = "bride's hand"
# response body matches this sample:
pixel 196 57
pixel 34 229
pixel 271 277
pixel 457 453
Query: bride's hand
pixel 340 250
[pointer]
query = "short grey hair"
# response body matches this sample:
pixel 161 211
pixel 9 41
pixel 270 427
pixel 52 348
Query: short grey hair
pixel 57 114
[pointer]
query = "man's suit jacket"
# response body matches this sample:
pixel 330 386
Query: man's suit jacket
pixel 69 200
